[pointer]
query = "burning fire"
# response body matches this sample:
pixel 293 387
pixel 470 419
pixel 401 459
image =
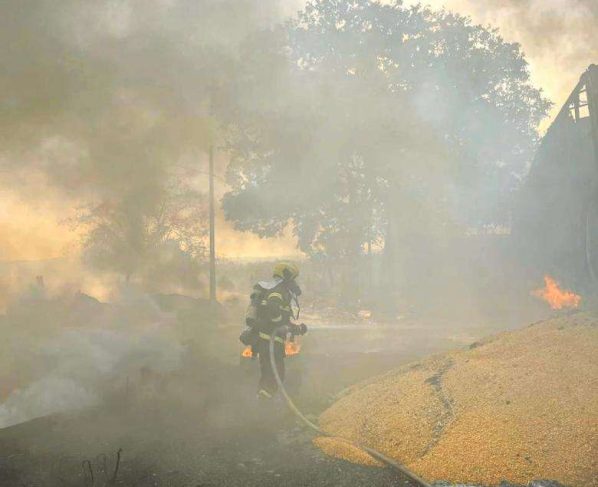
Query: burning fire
pixel 555 296
pixel 290 348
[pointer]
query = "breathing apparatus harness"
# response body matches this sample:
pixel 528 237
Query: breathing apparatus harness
pixel 251 333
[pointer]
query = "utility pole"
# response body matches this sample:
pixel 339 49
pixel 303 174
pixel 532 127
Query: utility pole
pixel 212 231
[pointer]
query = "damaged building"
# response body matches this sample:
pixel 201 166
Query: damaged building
pixel 555 224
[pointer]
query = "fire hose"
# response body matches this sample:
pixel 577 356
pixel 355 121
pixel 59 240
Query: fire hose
pixel 373 453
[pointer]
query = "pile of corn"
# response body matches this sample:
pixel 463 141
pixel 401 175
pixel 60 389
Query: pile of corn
pixel 343 449
pixel 519 406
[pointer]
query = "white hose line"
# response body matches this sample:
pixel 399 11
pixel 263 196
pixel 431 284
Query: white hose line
pixel 374 453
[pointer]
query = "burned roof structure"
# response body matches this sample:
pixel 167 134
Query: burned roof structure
pixel 555 222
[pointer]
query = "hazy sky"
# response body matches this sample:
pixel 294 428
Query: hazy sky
pixel 558 37
pixel 559 40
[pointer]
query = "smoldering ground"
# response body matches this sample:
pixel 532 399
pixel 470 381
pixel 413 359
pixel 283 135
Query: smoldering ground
pixel 132 375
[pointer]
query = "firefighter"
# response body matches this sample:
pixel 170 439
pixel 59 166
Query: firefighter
pixel 271 311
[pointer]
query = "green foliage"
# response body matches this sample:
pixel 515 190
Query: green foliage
pixel 390 114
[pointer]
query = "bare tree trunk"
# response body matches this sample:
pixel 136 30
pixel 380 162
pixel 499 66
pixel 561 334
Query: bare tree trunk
pixel 386 287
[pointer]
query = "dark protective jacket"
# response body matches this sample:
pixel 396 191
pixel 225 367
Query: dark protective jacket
pixel 275 308
pixel 271 308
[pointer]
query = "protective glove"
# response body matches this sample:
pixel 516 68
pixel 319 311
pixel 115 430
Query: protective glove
pixel 302 328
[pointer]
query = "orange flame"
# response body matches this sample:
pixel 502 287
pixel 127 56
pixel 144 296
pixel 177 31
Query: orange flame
pixel 555 297
pixel 291 348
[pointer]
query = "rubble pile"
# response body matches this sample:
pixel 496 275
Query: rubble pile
pixel 516 407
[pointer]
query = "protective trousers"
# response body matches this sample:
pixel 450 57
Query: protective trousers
pixel 267 379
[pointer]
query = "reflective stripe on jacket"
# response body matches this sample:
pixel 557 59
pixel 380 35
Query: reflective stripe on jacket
pixel 277 307
pixel 265 336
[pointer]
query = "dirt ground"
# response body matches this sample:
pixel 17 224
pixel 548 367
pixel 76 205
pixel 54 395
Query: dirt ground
pixel 202 426
pixel 223 437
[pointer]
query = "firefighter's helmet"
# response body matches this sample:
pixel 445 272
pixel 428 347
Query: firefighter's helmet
pixel 286 271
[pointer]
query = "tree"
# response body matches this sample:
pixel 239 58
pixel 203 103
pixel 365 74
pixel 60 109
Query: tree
pixel 392 117
pixel 160 239
pixel 396 98
pixel 104 101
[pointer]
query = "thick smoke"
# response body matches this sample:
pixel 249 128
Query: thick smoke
pixel 105 107
pixel 79 366
pixel 77 75
pixel 107 101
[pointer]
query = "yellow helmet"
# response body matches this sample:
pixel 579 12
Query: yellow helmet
pixel 286 271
